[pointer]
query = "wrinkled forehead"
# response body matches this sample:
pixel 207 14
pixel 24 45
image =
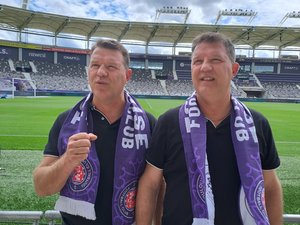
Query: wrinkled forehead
pixel 106 54
pixel 209 49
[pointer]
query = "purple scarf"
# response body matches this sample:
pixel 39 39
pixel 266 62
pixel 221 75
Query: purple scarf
pixel 78 196
pixel 193 130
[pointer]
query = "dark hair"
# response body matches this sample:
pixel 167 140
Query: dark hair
pixel 213 37
pixel 113 45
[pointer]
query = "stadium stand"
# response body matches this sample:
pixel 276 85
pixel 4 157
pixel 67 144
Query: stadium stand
pixel 281 90
pixel 72 77
pixel 142 83
pixel 4 66
pixel 145 87
pixel 248 80
pixel 179 87
pixel 60 76
pixel 280 85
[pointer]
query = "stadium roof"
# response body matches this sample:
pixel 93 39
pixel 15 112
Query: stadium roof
pixel 163 34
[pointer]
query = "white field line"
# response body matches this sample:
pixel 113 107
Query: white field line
pixel 148 104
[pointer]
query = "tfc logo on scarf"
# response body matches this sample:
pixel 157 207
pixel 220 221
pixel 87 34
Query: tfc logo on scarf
pixel 127 200
pixel 81 176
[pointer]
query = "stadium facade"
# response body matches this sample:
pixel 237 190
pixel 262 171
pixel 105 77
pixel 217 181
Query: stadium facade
pixel 60 70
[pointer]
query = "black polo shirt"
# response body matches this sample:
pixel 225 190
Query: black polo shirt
pixel 166 152
pixel 105 147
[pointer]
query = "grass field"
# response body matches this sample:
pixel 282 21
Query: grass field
pixel 25 124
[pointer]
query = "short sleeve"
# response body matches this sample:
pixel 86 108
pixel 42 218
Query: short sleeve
pixel 51 146
pixel 268 152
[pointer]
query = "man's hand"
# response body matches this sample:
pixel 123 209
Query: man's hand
pixel 78 148
pixel 52 173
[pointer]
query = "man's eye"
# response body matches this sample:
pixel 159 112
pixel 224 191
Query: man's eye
pixel 216 60
pixel 112 67
pixel 95 66
pixel 198 62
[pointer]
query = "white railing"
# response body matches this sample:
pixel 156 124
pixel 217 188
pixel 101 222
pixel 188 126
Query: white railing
pixel 35 217
pixel 291 218
pixel 52 216
pixel 26 216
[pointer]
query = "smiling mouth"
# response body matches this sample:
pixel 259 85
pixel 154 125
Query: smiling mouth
pixel 207 79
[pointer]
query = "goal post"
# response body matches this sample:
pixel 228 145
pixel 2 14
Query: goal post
pixel 23 87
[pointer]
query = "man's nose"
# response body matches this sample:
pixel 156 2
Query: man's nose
pixel 206 65
pixel 102 70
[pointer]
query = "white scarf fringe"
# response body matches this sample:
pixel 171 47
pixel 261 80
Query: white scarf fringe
pixel 76 207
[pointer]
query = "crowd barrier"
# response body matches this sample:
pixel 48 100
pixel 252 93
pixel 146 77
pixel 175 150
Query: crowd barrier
pixel 53 217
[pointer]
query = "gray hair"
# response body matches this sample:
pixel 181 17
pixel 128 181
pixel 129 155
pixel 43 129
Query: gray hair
pixel 113 45
pixel 213 37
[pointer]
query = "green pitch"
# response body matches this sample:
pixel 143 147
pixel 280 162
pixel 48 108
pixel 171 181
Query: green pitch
pixel 25 123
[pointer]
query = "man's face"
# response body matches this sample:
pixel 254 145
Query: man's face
pixel 107 74
pixel 212 70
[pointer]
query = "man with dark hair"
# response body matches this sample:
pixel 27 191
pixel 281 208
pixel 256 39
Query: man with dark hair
pixel 96 151
pixel 217 157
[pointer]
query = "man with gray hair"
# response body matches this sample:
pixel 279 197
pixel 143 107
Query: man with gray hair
pixel 217 157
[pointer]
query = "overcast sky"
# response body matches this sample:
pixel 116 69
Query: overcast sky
pixel 202 11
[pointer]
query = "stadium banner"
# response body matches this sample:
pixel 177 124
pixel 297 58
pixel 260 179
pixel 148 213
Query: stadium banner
pixel 290 68
pixel 9 52
pixel 64 57
pixel 37 55
pixel 19 45
pixel 77 51
pixel 137 56
pixel 183 65
pixel 159 57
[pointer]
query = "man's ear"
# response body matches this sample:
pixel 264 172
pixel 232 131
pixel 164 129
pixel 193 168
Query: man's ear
pixel 128 74
pixel 235 69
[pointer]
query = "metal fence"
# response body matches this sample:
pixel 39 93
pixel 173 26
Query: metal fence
pixel 52 217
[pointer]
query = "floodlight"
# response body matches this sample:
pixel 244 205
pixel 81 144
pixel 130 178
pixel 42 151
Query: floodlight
pixel 25 4
pixel 236 12
pixel 292 14
pixel 170 10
